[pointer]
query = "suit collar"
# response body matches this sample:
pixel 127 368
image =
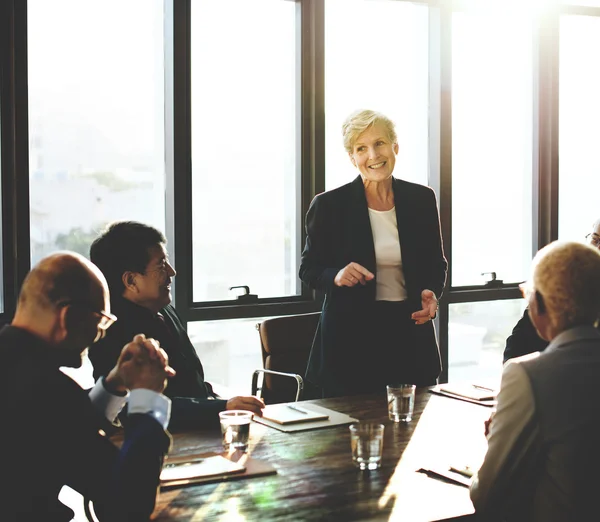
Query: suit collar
pixel 578 333
pixel 37 348
pixel 130 309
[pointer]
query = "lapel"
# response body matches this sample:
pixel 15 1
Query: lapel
pixel 360 227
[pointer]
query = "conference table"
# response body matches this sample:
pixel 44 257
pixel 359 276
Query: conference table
pixel 316 479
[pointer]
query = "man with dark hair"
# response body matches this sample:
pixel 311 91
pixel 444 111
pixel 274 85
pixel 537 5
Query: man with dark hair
pixel 55 432
pixel 134 260
pixel 524 339
pixel 543 440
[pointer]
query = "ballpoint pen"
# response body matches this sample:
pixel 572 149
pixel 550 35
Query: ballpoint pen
pixel 466 472
pixel 296 408
pixel 482 387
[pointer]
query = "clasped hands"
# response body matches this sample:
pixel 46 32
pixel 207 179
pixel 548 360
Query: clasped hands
pixel 141 364
pixel 353 274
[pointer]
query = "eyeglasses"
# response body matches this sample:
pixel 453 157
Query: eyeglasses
pixel 594 239
pixel 106 319
pixel 526 290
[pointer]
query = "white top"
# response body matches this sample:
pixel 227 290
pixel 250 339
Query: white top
pixel 390 276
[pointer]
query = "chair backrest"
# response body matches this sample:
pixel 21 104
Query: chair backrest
pixel 285 345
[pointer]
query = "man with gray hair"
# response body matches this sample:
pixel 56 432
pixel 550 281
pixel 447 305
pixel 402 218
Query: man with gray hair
pixel 543 451
pixel 524 339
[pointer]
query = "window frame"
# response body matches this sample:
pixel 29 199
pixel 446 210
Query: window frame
pixel 15 162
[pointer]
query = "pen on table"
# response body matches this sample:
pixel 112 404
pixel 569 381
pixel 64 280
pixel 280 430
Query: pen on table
pixel 482 388
pixel 186 463
pixel 296 408
pixel 464 472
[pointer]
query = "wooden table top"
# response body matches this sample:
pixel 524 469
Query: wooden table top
pixel 316 479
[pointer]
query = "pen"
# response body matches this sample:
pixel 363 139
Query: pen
pixel 464 472
pixel 186 463
pixel 482 387
pixel 296 408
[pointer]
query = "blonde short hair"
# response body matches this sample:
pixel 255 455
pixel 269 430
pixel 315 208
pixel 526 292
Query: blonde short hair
pixel 359 121
pixel 567 276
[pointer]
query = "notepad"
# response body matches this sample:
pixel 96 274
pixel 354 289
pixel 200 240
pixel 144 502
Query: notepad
pixel 292 414
pixel 469 391
pixel 207 467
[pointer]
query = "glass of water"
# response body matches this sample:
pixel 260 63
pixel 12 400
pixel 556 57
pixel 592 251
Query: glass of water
pixel 366 440
pixel 235 427
pixel 401 402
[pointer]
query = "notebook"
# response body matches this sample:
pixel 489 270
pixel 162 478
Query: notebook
pixel 468 391
pixel 201 467
pixel 291 413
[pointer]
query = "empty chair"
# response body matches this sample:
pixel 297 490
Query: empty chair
pixel 285 345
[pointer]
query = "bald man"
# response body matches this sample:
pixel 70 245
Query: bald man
pixel 543 453
pixel 54 432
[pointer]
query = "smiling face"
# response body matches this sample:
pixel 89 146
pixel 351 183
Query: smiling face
pixel 374 154
pixel 152 289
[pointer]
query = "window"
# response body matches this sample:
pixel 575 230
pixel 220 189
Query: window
pixel 579 126
pixel 389 74
pixel 492 115
pixel 245 138
pixel 96 113
pixel 229 351
pixel 585 3
pixel 477 335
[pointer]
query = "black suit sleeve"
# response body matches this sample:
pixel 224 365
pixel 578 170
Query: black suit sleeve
pixel 315 266
pixel 121 482
pixel 433 252
pixel 133 475
pixel 523 340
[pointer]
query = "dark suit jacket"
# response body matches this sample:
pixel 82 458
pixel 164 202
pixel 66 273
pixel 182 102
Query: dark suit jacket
pixel 53 436
pixel 339 232
pixel 194 403
pixel 524 339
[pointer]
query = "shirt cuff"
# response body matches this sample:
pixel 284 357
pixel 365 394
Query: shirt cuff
pixel 105 402
pixel 151 403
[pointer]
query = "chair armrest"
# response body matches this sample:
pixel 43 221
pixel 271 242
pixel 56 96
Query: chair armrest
pixel 299 381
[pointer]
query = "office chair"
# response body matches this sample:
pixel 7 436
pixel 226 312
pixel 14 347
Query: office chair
pixel 285 345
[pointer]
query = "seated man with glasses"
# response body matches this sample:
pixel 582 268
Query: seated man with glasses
pixel 524 339
pixel 133 258
pixel 54 432
pixel 543 449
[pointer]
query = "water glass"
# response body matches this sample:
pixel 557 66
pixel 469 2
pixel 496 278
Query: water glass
pixel 366 440
pixel 401 402
pixel 235 427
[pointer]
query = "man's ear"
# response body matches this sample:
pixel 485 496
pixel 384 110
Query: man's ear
pixel 62 324
pixel 129 282
pixel 541 306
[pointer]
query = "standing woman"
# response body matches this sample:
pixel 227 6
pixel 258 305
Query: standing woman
pixel 374 247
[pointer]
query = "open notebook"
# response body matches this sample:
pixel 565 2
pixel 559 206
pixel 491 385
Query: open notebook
pixel 204 468
pixel 469 391
pixel 201 467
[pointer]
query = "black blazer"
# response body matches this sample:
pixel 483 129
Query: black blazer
pixel 338 232
pixel 193 401
pixel 53 436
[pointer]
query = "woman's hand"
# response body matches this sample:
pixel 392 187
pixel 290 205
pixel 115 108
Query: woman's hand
pixel 352 274
pixel 429 303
